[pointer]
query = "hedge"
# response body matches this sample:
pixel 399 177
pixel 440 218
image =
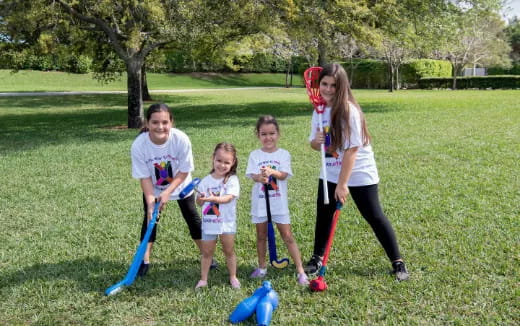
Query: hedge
pixel 515 70
pixel 472 82
pixel 413 70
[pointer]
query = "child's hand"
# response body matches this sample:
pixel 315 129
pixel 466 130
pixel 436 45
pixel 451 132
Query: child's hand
pixel 266 172
pixel 320 137
pixel 260 178
pixel 209 198
pixel 341 193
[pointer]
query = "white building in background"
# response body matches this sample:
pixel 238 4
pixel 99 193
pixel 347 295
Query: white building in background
pixel 474 72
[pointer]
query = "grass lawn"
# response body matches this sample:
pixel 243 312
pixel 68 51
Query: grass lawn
pixel 38 81
pixel 71 212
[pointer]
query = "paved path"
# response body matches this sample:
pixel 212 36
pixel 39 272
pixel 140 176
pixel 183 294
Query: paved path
pixel 17 94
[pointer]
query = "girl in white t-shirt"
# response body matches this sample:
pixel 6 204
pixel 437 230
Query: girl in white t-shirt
pixel 162 161
pixel 217 194
pixel 270 167
pixel 351 168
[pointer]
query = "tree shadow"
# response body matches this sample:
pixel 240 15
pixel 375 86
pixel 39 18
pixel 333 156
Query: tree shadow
pixel 39 126
pixel 51 121
pixel 95 274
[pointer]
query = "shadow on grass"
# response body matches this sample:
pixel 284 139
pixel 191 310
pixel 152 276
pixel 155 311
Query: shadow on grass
pixel 31 122
pixel 95 274
pixel 44 122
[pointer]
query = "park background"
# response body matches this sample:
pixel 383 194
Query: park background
pixel 71 211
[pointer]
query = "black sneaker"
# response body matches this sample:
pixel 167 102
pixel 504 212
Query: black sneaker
pixel 400 271
pixel 143 269
pixel 214 264
pixel 313 266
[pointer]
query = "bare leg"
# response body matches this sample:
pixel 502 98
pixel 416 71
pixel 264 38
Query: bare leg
pixel 228 241
pixel 261 244
pixel 207 250
pixel 292 247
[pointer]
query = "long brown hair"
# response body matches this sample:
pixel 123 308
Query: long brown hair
pixel 230 148
pixel 340 113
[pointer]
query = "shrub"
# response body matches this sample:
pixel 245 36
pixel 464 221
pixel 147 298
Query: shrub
pixel 514 70
pixel 367 73
pixel 413 70
pixel 480 82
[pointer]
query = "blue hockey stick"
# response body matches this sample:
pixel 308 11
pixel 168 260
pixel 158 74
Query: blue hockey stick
pixel 138 258
pixel 189 188
pixel 271 238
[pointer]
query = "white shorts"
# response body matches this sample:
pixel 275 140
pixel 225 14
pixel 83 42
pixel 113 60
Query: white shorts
pixel 210 237
pixel 280 219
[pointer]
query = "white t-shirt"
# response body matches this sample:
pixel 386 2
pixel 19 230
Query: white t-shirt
pixel 162 162
pixel 279 160
pixel 364 172
pixel 227 221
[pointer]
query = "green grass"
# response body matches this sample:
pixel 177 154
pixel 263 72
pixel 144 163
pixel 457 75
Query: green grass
pixel 38 81
pixel 71 212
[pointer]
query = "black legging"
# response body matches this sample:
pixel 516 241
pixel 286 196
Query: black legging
pixel 188 211
pixel 367 201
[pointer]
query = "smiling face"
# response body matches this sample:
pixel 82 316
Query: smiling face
pixel 223 161
pixel 328 89
pixel 268 135
pixel 159 126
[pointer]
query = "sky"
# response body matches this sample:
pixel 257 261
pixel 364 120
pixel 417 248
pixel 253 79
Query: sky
pixel 514 9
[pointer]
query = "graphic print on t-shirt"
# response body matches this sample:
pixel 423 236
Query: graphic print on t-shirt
pixel 334 154
pixel 163 173
pixel 272 184
pixel 212 208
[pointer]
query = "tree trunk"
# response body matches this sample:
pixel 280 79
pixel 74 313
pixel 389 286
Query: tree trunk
pixel 454 82
pixel 144 84
pixel 135 98
pixel 322 54
pixel 397 82
pixel 391 77
pixel 287 72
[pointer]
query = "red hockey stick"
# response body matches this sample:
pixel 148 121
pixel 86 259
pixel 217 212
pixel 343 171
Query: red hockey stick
pixel 319 284
pixel 312 83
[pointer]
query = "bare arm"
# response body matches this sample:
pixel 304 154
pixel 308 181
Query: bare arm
pixel 147 188
pixel 347 164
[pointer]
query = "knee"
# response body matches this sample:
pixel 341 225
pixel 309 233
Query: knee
pixel 228 252
pixel 287 237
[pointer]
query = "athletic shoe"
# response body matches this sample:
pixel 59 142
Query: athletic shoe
pixel 201 284
pixel 313 266
pixel 302 279
pixel 143 269
pixel 258 273
pixel 235 283
pixel 400 271
pixel 214 264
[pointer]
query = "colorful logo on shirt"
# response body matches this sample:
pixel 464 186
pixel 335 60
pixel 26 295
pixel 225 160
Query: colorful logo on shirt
pixel 163 173
pixel 212 208
pixel 272 184
pixel 328 152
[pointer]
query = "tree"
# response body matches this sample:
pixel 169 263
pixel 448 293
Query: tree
pixel 461 31
pixel 315 24
pixel 513 35
pixel 133 29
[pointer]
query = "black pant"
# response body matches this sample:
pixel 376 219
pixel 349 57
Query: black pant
pixel 188 211
pixel 367 201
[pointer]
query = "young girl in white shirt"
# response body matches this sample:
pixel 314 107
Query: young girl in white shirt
pixel 217 195
pixel 270 167
pixel 162 161
pixel 350 168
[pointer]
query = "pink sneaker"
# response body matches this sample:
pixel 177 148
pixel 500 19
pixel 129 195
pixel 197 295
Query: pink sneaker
pixel 201 284
pixel 235 283
pixel 258 273
pixel 302 279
